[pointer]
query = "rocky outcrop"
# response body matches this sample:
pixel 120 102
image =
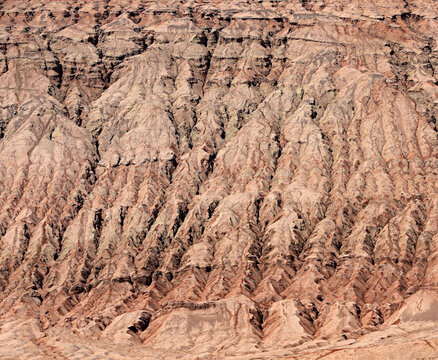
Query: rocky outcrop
pixel 218 179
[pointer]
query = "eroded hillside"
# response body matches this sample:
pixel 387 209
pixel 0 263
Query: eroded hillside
pixel 218 179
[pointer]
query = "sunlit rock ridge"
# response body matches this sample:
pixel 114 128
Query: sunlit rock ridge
pixel 218 179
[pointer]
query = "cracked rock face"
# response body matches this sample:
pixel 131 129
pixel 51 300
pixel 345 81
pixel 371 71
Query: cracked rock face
pixel 218 179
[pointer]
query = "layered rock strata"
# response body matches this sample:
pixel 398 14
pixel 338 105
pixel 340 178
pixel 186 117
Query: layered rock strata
pixel 218 179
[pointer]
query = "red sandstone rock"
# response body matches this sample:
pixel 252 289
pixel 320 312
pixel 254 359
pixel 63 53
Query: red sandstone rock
pixel 218 180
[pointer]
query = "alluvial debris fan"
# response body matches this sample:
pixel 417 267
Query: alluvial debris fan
pixel 218 179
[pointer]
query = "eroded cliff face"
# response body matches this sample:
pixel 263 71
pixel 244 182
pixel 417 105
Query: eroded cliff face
pixel 218 179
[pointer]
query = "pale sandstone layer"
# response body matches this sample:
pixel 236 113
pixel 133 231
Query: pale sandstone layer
pixel 218 179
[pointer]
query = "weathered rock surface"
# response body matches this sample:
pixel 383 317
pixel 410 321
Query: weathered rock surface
pixel 218 179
